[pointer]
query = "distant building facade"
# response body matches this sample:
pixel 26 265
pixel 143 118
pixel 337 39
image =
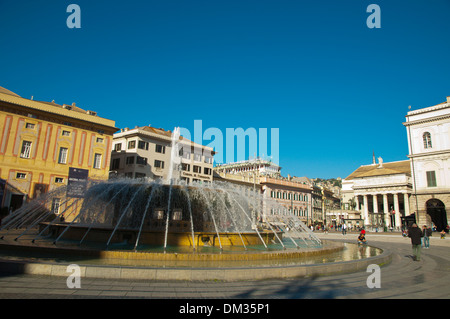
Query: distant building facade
pixel 380 192
pixel 253 167
pixel 40 141
pixel 145 152
pixel 428 131
pixel 293 196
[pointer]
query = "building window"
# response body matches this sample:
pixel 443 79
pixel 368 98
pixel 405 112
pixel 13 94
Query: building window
pixel 185 154
pixel 141 160
pixel 130 160
pixel 197 157
pixel 197 169
pixel 55 205
pixel 29 125
pixel 208 160
pixel 131 145
pixel 177 214
pixel 63 155
pixel 118 147
pixel 207 171
pixel 99 140
pixel 185 167
pixel 159 164
pixel 143 145
pixel 65 133
pixel 115 163
pixel 158 214
pixel 431 179
pixel 97 160
pixel 427 140
pixel 160 149
pixel 139 175
pixel 59 180
pixel 26 149
pixel 21 175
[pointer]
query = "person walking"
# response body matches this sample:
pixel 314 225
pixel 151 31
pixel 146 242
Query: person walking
pixel 415 234
pixel 426 236
pixel 344 229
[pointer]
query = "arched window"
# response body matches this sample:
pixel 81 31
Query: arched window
pixel 427 140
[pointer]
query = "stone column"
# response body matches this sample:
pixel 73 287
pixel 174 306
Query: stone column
pixel 397 211
pixel 387 222
pixel 375 204
pixel 406 199
pixel 366 210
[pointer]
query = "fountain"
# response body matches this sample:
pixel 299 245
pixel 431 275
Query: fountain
pixel 154 221
pixel 142 215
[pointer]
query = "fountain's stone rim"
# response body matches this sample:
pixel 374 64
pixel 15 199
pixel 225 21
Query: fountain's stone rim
pixel 292 253
pixel 199 274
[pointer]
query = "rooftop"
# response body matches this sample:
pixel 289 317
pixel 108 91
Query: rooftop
pixel 391 168
pixel 71 111
pixel 158 133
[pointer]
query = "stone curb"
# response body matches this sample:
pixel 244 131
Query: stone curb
pixel 196 274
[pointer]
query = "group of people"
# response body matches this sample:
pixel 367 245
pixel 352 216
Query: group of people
pixel 419 238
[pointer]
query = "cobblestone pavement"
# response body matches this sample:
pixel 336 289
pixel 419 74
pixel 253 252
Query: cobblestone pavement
pixel 402 278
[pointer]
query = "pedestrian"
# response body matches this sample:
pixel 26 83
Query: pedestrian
pixel 415 234
pixel 362 239
pixel 363 231
pixel 426 236
pixel 344 229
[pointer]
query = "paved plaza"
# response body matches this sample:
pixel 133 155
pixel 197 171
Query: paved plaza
pixel 402 278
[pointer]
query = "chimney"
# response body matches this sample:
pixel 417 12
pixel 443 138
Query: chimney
pixel 448 99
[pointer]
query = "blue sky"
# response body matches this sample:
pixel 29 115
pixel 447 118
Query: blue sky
pixel 336 89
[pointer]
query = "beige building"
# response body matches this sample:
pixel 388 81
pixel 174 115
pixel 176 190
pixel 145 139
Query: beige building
pixel 249 168
pixel 293 196
pixel 145 152
pixel 428 131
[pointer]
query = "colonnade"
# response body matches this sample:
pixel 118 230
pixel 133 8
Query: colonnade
pixel 388 215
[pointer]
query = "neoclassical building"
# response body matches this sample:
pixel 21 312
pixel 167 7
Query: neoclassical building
pixel 428 131
pixel 381 192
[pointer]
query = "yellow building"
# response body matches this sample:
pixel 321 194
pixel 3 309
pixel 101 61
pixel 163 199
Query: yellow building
pixel 40 141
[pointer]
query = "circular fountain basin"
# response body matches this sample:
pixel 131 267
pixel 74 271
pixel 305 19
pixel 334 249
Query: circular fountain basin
pixel 208 263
